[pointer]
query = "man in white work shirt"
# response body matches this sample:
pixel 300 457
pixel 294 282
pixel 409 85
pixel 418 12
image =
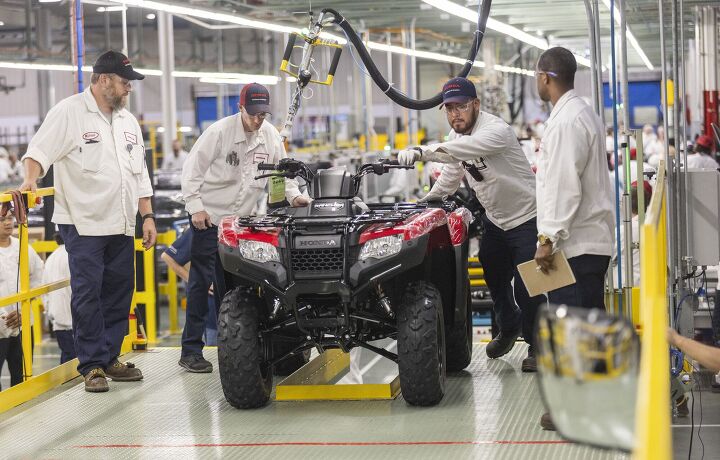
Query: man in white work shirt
pixel 101 181
pixel 574 194
pixel 219 180
pixel 485 148
pixel 174 161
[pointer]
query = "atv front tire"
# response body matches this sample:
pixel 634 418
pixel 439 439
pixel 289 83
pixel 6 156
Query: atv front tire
pixel 245 374
pixel 421 345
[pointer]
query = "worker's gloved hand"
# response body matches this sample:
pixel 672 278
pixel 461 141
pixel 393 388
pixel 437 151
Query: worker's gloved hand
pixel 407 157
pixel 12 320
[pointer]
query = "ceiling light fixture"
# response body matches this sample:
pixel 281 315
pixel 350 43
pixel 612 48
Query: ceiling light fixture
pixel 497 26
pixel 265 80
pixel 110 9
pixel 630 37
pixel 235 19
pixel 242 78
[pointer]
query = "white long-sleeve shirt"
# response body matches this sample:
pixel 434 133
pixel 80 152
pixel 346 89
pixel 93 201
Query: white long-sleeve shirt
pixel 9 262
pixel 700 161
pixel 574 194
pixel 100 171
pixel 219 174
pixel 507 191
pixel 174 163
pixel 57 302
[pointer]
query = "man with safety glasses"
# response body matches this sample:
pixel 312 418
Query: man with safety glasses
pixel 574 194
pixel 219 180
pixel 486 150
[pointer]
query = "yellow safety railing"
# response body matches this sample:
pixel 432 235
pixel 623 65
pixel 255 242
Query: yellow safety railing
pixel 26 294
pixel 652 421
pixel 29 297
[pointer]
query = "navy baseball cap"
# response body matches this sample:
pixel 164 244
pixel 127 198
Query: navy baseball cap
pixel 117 63
pixel 255 98
pixel 459 90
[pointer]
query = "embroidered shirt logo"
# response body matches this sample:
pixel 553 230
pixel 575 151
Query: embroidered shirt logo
pixel 232 158
pixel 91 137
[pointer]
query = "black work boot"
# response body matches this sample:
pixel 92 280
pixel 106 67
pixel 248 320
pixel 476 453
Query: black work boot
pixel 196 364
pixel 546 422
pixel 502 343
pixel 529 364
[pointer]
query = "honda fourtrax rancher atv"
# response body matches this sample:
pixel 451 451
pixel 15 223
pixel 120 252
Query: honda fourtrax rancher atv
pixel 341 273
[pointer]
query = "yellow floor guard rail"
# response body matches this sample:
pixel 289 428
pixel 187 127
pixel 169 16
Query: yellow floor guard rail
pixel 652 420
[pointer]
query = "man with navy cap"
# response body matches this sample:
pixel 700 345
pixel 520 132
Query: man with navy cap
pixel 219 180
pixel 484 148
pixel 101 182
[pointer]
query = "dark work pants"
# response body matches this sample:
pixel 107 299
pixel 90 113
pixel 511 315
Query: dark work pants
pixel 501 251
pixel 102 279
pixel 67 345
pixel 205 269
pixel 11 351
pixel 589 289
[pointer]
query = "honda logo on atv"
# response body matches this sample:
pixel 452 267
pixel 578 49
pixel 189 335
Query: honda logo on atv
pixel 308 242
pixel 334 206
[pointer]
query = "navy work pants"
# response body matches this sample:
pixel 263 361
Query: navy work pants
pixel 102 279
pixel 66 343
pixel 589 289
pixel 205 269
pixel 501 251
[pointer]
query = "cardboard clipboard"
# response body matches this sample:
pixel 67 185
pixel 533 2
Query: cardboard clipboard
pixel 538 282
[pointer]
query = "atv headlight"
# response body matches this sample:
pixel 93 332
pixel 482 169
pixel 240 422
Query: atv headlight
pixel 257 251
pixel 381 247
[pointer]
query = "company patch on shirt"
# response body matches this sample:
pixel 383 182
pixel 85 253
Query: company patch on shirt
pixel 130 137
pixel 260 157
pixel 91 137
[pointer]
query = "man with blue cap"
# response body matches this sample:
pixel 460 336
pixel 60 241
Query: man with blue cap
pixel 485 149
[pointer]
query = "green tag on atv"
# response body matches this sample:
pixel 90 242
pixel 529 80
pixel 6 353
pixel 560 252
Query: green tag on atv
pixel 276 189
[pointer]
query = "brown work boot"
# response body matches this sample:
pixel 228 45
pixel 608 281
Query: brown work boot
pixel 546 422
pixel 123 372
pixel 95 381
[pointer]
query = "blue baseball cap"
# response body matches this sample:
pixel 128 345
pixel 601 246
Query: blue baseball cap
pixel 459 90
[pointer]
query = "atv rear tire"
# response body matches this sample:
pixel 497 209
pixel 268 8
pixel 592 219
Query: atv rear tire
pixel 245 373
pixel 459 339
pixel 291 364
pixel 421 345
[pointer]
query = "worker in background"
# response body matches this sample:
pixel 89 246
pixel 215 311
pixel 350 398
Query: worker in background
pixel 649 136
pixel 174 161
pixel 5 168
pixel 57 303
pixel 486 150
pixel 702 158
pixel 635 225
pixel 10 339
pixel 574 194
pixel 648 171
pixel 101 181
pixel 177 258
pixel 655 150
pixel 219 180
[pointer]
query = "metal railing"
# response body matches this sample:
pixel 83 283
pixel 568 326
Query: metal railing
pixel 652 424
pixel 29 297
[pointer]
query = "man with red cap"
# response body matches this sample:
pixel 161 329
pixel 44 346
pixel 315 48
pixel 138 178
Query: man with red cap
pixel 702 157
pixel 219 180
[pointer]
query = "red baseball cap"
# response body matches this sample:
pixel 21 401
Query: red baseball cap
pixel 646 187
pixel 705 141
pixel 255 98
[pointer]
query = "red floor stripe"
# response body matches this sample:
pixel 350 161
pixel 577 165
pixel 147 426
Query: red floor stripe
pixel 318 444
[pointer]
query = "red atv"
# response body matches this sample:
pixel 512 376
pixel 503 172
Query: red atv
pixel 342 273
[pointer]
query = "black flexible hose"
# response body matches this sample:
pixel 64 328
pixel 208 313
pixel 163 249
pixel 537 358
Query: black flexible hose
pixel 383 84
